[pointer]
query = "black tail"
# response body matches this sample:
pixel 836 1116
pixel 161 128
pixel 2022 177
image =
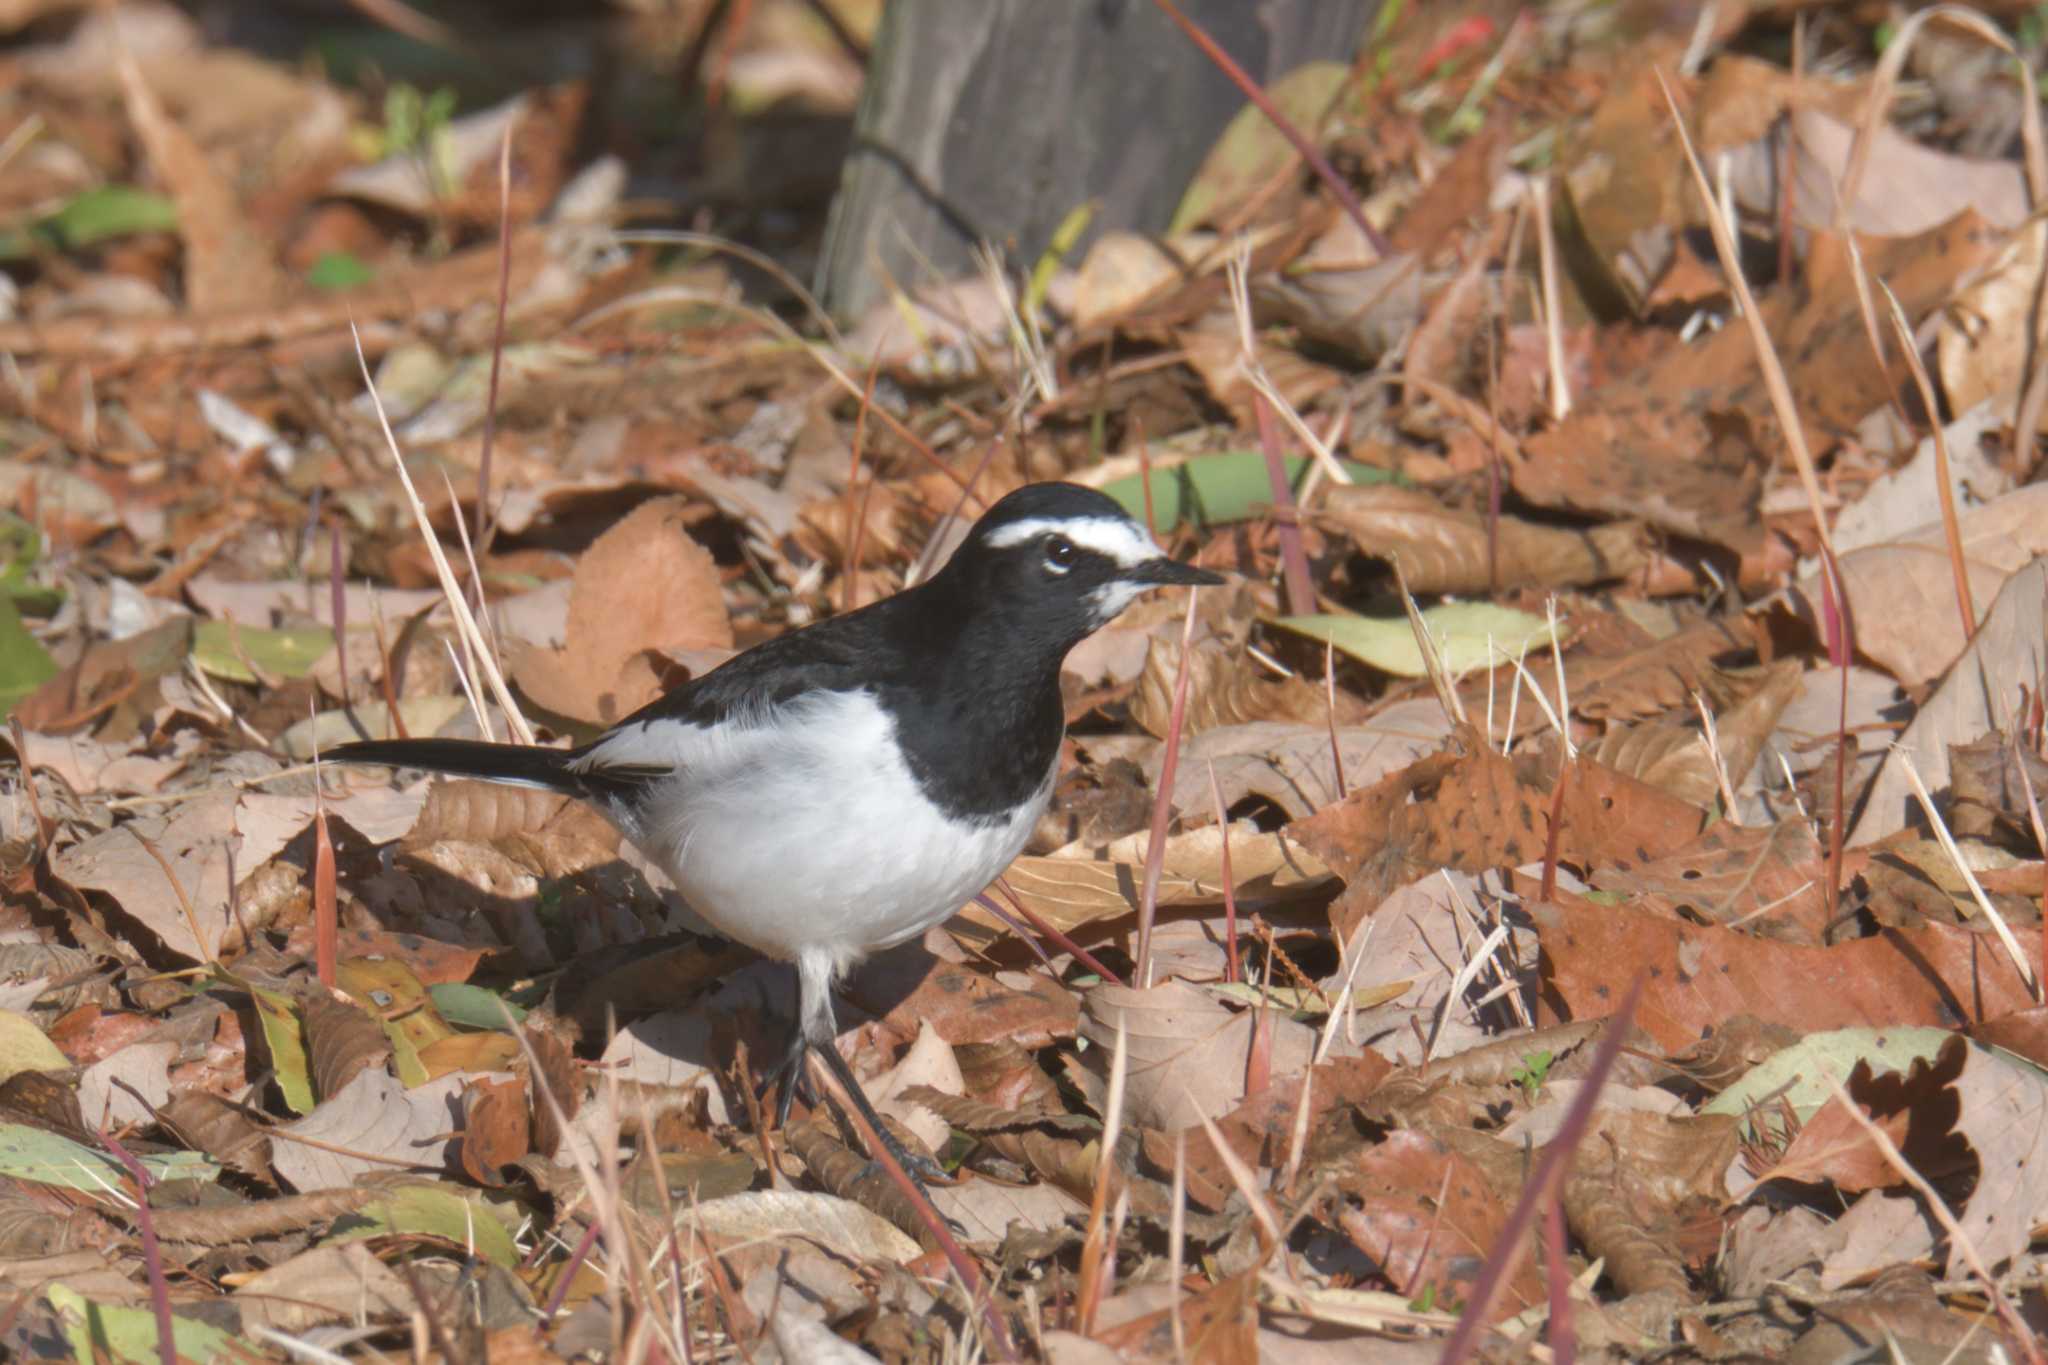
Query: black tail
pixel 520 763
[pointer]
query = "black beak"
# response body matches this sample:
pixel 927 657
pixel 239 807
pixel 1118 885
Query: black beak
pixel 1165 572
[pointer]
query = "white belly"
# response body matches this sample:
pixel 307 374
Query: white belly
pixel 809 834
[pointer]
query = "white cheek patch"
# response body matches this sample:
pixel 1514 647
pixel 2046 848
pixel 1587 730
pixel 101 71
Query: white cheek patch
pixel 1120 540
pixel 1108 601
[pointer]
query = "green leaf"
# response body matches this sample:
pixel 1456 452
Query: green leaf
pixel 285 1037
pixel 1468 635
pixel 120 1334
pixel 107 212
pixel 472 1007
pixel 24 664
pixel 1798 1074
pixel 226 650
pixel 431 1211
pixel 1252 150
pixel 1210 489
pixel 35 1154
pixel 338 270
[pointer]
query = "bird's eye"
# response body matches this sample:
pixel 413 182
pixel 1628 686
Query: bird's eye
pixel 1059 553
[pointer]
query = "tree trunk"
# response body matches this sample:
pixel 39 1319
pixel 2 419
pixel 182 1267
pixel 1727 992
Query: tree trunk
pixel 989 120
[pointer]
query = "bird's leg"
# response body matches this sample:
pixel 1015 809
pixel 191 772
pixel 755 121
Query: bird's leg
pixel 817 1033
pixel 788 1077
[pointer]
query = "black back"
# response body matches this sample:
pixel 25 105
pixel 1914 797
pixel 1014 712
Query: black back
pixel 967 662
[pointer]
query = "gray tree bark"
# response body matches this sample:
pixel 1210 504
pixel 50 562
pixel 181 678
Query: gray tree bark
pixel 989 120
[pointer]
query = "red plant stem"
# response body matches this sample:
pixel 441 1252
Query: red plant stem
pixel 878 1151
pixel 857 509
pixel 1233 972
pixel 483 459
pixel 1162 803
pixel 152 1254
pixel 1330 712
pixel 1301 593
pixel 1225 63
pixel 1564 1337
pixel 561 1290
pixel 1543 1183
pixel 1045 928
pixel 326 919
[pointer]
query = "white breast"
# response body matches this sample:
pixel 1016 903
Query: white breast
pixel 804 831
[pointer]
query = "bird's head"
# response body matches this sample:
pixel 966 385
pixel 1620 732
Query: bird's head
pixel 1062 560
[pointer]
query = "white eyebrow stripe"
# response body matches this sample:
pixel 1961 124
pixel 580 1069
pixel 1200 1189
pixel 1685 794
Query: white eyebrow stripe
pixel 1118 539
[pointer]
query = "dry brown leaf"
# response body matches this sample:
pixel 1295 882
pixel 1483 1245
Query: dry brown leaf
pixel 642 587
pixel 1628 1180
pixel 1225 688
pixel 1428 1216
pixel 1651 680
pixel 1188 1051
pixel 1472 809
pixel 328 1284
pixel 1699 975
pixel 968 1006
pixel 1068 892
pixel 1731 874
pixel 1441 549
pixel 142 1071
pixel 207 1123
pixel 1902 595
pixel 228 267
pixel 371 1124
pixel 1833 1148
pixel 494 1128
pixel 1980 695
pixel 341 1040
pixel 1293 766
pixel 1672 758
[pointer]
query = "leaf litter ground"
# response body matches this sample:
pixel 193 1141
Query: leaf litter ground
pixel 1629 946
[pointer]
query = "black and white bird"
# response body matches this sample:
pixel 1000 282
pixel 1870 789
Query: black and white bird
pixel 842 788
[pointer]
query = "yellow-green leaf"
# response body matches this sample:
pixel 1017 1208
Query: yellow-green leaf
pixel 113 1332
pixel 25 1047
pixel 38 1155
pixel 247 654
pixel 431 1211
pixel 1468 635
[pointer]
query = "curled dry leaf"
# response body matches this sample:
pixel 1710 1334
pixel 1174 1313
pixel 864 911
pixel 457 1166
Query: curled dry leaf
pixel 494 1128
pixel 642 587
pixel 1652 680
pixel 279 1216
pixel 1068 892
pixel 839 1225
pixel 1444 550
pixel 1672 758
pixel 1902 594
pixel 1225 688
pixel 207 1123
pixel 327 1284
pixel 341 1040
pixel 1292 765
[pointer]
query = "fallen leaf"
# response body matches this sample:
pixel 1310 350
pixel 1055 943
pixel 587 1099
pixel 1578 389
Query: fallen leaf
pixel 643 586
pixel 1697 975
pixel 371 1124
